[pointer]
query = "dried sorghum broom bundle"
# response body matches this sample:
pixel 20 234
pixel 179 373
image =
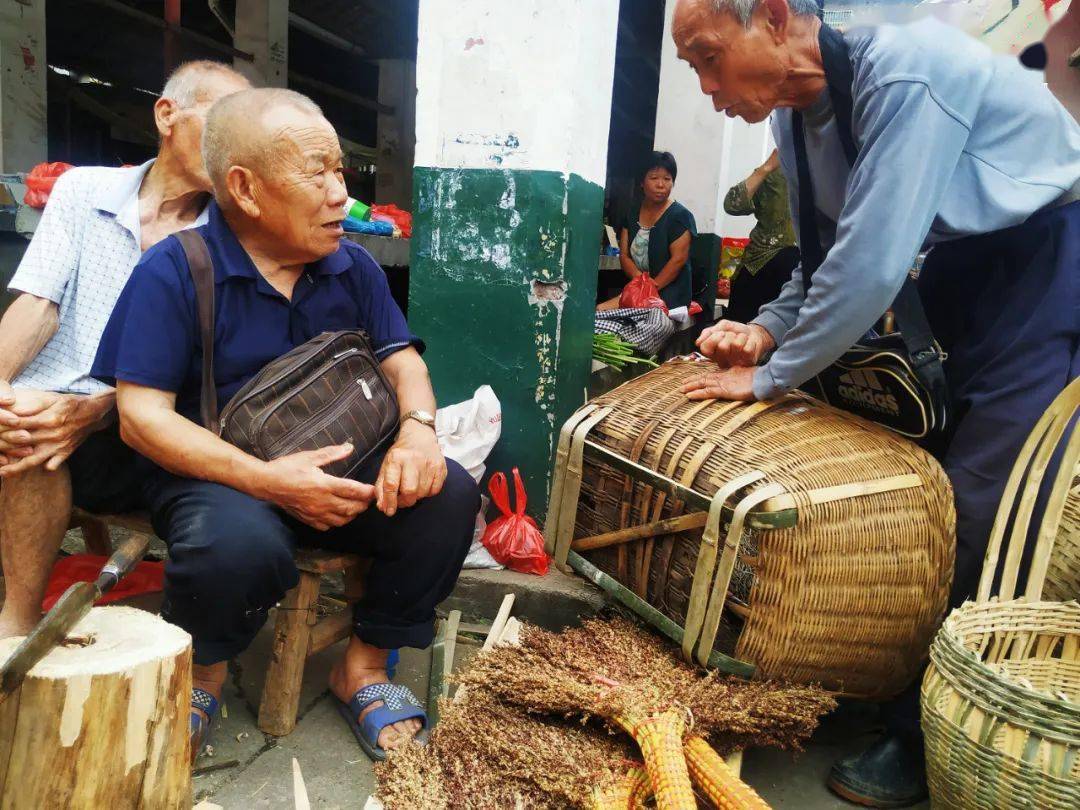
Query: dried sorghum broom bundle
pixel 485 754
pixel 629 791
pixel 713 777
pixel 569 674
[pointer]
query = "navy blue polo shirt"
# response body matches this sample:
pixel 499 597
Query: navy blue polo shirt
pixel 153 339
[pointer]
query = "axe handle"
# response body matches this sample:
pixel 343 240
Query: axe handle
pixel 122 561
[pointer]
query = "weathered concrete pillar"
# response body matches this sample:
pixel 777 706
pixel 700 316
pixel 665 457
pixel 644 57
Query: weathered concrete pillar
pixel 713 151
pixel 262 29
pixel 23 132
pixel 396 133
pixel 511 143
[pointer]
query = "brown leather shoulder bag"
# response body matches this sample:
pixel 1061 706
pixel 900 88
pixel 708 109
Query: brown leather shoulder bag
pixel 328 391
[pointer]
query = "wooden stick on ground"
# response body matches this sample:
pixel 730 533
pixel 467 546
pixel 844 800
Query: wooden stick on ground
pixel 299 789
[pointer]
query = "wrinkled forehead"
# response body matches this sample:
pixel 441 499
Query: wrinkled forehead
pixel 697 28
pixel 301 137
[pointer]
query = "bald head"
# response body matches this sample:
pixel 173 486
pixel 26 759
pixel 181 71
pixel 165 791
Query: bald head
pixel 250 129
pixel 200 81
pixel 275 164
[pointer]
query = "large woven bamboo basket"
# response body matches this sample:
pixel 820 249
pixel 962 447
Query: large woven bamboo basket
pixel 801 541
pixel 1001 697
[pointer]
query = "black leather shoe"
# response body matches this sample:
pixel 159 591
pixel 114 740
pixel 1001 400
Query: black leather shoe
pixel 890 773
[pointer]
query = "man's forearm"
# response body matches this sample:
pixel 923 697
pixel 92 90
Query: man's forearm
pixel 29 323
pixel 184 448
pixel 408 375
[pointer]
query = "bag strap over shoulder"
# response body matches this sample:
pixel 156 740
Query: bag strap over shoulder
pixel 915 331
pixel 201 267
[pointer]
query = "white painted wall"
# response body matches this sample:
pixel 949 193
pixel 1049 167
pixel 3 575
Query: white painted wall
pixel 262 29
pixel 23 135
pixel 515 85
pixel 713 151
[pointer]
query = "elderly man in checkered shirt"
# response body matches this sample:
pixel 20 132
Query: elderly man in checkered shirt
pixel 59 443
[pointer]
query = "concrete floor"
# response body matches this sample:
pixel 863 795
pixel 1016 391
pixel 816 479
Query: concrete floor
pixel 253 771
pixel 338 775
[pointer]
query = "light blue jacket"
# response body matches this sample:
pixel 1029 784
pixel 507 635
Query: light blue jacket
pixel 953 140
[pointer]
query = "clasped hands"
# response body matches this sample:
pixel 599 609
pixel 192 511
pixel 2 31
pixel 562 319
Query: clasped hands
pixel 736 348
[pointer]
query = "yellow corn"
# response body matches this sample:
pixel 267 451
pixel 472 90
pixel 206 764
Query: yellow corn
pixel 715 779
pixel 625 794
pixel 659 737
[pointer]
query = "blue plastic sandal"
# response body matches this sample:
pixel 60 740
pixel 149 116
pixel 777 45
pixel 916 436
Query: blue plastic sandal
pixel 200 726
pixel 399 703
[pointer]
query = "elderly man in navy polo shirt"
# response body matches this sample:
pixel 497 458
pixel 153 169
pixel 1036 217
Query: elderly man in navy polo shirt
pixel 231 521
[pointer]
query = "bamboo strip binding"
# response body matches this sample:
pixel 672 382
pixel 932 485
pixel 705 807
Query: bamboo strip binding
pixel 848 597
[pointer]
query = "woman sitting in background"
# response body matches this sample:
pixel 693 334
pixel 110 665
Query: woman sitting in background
pixel 771 255
pixel 657 241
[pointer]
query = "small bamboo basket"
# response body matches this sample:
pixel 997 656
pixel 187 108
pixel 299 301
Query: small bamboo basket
pixel 786 539
pixel 1001 698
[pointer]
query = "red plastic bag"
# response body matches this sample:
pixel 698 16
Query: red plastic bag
pixel 513 538
pixel 391 213
pixel 40 181
pixel 642 293
pixel 146 577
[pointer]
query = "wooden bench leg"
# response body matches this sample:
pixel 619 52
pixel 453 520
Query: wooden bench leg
pixel 96 535
pixel 292 630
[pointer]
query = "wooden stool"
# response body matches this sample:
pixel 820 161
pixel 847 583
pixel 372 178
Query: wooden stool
pixel 298 631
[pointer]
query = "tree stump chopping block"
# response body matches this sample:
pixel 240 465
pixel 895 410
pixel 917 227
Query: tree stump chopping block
pixel 102 720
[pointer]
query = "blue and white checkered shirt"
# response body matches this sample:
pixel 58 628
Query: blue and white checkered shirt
pixel 81 256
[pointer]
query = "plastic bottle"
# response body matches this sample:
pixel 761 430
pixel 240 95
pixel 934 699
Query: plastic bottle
pixel 357 210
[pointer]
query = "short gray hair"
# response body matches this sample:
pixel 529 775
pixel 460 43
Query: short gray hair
pixel 187 84
pixel 228 139
pixel 744 9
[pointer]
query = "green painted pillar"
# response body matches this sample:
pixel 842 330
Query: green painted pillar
pixel 512 114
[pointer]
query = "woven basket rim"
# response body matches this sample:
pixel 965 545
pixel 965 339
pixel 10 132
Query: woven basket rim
pixel 992 690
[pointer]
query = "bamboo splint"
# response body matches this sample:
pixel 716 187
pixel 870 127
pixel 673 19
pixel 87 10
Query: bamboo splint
pixel 850 530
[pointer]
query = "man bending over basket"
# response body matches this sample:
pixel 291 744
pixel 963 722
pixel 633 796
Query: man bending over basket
pixel 282 276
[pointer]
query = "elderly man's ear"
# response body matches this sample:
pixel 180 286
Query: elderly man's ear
pixel 165 113
pixel 240 183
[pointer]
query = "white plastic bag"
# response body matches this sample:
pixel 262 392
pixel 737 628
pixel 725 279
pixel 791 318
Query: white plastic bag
pixel 479 556
pixel 467 433
pixel 468 430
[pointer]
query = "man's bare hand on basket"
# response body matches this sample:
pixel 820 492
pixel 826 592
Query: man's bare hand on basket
pixel 730 383
pixel 730 344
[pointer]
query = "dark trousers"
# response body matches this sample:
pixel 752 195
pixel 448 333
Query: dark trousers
pixel 1005 307
pixel 231 560
pixel 751 291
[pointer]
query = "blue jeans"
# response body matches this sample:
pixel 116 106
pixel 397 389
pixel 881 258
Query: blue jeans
pixel 231 560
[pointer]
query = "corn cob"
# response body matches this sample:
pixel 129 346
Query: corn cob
pixel 659 736
pixel 626 794
pixel 714 778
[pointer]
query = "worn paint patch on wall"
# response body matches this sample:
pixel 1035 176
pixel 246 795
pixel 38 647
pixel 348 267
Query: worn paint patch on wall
pixel 23 137
pixel 502 288
pixel 521 85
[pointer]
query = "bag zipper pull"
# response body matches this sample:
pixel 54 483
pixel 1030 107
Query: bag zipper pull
pixel 364 386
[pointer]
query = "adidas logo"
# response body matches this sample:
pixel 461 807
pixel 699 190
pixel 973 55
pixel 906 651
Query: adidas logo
pixel 862 387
